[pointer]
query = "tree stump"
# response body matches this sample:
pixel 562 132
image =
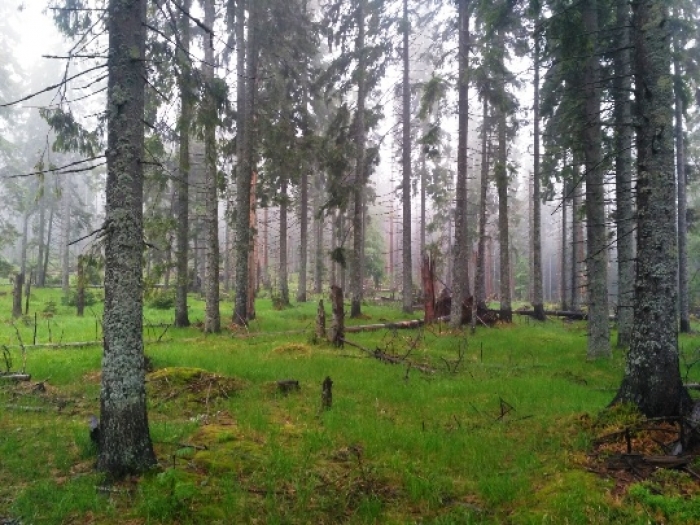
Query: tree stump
pixel 327 394
pixel 285 386
pixel 17 296
pixel 336 334
pixel 321 321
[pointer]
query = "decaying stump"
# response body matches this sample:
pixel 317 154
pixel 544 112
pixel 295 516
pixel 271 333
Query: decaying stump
pixel 326 394
pixel 336 334
pixel 427 271
pixel 321 321
pixel 17 296
pixel 443 304
pixel 286 386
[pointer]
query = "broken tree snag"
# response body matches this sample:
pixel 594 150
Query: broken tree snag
pixel 337 330
pixel 321 321
pixel 286 386
pixel 427 271
pixel 17 296
pixel 327 394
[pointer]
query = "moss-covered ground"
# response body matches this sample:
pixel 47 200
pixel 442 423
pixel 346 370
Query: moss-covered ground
pixel 500 432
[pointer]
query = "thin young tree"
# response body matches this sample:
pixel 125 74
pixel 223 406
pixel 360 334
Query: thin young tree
pixel 407 288
pixel 183 227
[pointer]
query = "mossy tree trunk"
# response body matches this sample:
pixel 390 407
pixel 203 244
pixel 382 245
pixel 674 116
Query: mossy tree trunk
pixel 125 444
pixel 652 378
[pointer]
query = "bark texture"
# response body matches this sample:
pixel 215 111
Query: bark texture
pixel 624 214
pixel 537 299
pixel 652 378
pixel 181 314
pixel 125 443
pixel 480 277
pixel 245 90
pixel 682 183
pixel 356 276
pixel 460 265
pixel 284 280
pixel 598 326
pixel 407 288
pixel 212 317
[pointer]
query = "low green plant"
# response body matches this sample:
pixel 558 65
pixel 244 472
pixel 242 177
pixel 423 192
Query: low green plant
pixel 160 299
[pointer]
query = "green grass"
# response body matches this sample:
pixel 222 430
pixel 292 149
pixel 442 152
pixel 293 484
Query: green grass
pixel 499 440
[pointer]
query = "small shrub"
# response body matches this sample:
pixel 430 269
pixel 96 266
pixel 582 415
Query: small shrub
pixel 72 299
pixel 49 308
pixel 162 299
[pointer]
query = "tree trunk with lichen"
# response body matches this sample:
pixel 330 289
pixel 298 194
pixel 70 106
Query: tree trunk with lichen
pixel 125 444
pixel 652 378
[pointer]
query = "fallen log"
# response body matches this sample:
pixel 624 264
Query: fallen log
pixel 391 359
pixel 571 315
pixel 15 377
pixel 414 323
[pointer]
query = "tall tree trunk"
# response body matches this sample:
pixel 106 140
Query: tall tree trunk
pixel 598 326
pixel 624 215
pixel 318 267
pixel 460 266
pixel 576 238
pixel 41 234
pixel 125 442
pixel 304 233
pixel 683 302
pixel 212 317
pixel 356 276
pixel 423 200
pixel 284 281
pixel 65 244
pixel 183 226
pixel 480 278
pixel 564 251
pixel 407 288
pixel 47 251
pixel 652 378
pixel 246 67
pixel 253 246
pixel 25 240
pixel 537 301
pixel 501 173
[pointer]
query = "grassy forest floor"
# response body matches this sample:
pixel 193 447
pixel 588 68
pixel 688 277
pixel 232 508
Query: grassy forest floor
pixel 504 430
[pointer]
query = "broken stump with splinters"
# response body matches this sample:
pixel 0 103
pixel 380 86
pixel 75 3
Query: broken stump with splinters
pixel 286 386
pixel 327 394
